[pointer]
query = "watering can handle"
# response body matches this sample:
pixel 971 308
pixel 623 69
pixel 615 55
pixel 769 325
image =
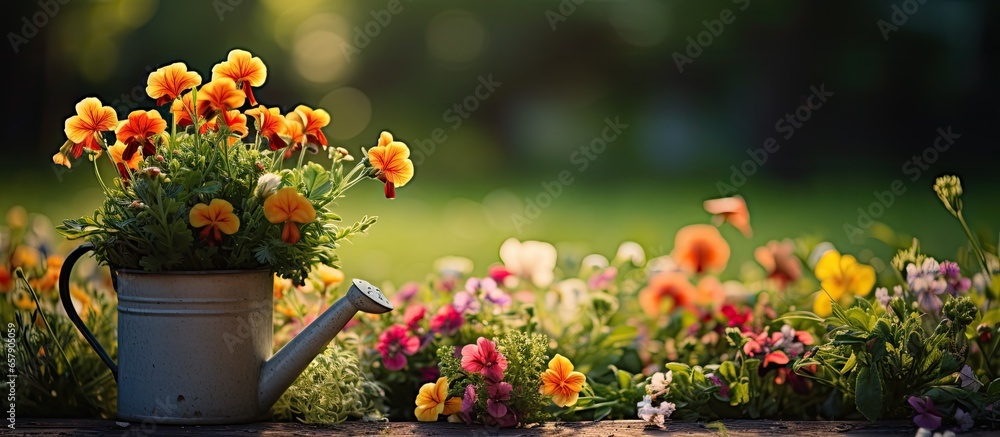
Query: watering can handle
pixel 64 274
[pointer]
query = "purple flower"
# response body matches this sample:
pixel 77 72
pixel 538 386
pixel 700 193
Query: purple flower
pixel 723 388
pixel 952 275
pixel 465 302
pixel 926 284
pixel 496 409
pixel 468 402
pixel 499 391
pixel 927 415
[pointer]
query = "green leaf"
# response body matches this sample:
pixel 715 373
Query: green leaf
pixel 718 427
pixel 624 379
pixel 727 370
pixel 602 412
pixel 209 188
pixel 316 180
pixel 851 363
pixel 868 394
pixel 994 388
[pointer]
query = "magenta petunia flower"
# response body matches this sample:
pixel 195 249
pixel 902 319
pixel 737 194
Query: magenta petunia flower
pixel 395 344
pixel 447 320
pixel 468 402
pixel 483 357
pixel 499 391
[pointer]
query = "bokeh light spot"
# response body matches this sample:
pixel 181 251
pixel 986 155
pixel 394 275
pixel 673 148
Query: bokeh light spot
pixel 350 110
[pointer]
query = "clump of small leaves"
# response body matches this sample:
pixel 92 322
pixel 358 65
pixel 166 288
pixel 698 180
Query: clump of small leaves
pixel 335 387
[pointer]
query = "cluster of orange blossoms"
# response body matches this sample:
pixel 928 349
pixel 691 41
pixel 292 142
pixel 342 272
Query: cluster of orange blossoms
pixel 218 103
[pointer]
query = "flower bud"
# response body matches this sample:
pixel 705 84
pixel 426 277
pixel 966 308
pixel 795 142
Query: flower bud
pixel 267 184
pixel 153 172
pixel 161 158
pixel 260 166
pixel 137 205
pixel 949 190
pixel 985 333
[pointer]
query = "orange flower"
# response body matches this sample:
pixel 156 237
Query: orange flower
pixel 167 83
pixel 183 108
pixel 117 151
pixel 221 95
pixel 674 285
pixel 217 218
pixel 313 122
pixel 732 210
pixel 138 131
pixel 244 69
pixel 296 135
pixel 391 160
pixel 778 258
pixel 330 276
pixel 271 125
pixel 561 382
pixel 235 121
pixel 700 248
pixel 84 129
pixel 289 207
pixel 710 292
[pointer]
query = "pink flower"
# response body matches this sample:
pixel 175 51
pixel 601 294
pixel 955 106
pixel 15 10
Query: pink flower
pixel 405 293
pixel 483 357
pixel 499 274
pixel 447 320
pixel 395 344
pixel 735 317
pixel 413 315
pixel 927 415
pixel 603 279
pixel 466 302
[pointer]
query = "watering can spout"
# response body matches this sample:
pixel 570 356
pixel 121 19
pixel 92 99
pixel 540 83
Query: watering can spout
pixel 280 371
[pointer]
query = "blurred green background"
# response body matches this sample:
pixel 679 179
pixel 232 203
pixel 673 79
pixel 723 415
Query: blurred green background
pixel 559 70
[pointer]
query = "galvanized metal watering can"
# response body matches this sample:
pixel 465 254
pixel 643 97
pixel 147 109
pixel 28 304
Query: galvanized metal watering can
pixel 195 347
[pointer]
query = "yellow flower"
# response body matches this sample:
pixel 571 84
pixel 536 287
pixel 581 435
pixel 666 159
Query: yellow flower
pixel 433 401
pixel 842 277
pixel 289 207
pixel 25 256
pixel 330 276
pixel 561 382
pixel 217 218
pixel 84 129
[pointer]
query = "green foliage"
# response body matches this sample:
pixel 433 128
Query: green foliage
pixel 881 358
pixel 334 388
pixel 58 373
pixel 612 395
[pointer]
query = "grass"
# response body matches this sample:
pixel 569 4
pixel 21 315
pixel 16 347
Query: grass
pixel 431 219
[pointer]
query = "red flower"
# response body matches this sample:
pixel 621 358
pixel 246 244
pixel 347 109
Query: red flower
pixel 484 358
pixel 447 320
pixel 395 344
pixel 736 317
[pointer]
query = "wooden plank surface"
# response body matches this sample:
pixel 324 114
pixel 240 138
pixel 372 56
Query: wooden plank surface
pixel 95 427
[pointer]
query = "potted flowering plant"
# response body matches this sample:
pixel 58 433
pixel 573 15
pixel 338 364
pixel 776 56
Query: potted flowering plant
pixel 195 223
pixel 203 197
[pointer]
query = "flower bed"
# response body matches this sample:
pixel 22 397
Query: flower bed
pixel 802 332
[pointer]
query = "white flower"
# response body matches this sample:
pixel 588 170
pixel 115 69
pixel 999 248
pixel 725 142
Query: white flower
pixel 534 260
pixel 655 415
pixel 882 296
pixel 964 419
pixel 630 251
pixel 659 385
pixel 593 262
pixel 267 184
